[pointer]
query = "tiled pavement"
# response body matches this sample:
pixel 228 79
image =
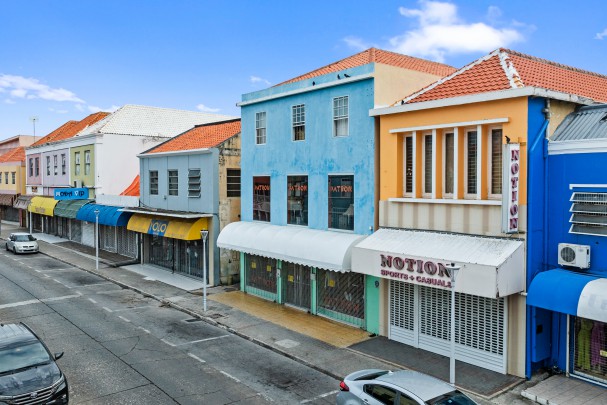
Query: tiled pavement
pixel 328 346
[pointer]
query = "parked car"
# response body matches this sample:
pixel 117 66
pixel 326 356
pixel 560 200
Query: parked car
pixel 22 242
pixel 28 372
pixel 403 387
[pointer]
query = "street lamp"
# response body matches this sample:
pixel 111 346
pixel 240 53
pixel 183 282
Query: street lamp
pixel 96 239
pixel 453 270
pixel 204 235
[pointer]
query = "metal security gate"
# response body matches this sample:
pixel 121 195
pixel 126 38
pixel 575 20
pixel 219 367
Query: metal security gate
pixel 76 231
pixel 420 317
pixel 297 285
pixel 107 237
pixel 88 234
pixel 127 242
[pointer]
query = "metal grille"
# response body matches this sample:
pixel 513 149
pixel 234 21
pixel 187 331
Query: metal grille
pixel 589 213
pixel 588 349
pixel 261 273
pixel 127 242
pixel 296 284
pixel 479 323
pixel 341 295
pixel 409 164
pixel 76 231
pixel 108 238
pixel 435 307
pixel 472 159
pixel 402 304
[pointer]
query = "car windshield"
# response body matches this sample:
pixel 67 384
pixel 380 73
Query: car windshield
pixel 24 238
pixel 452 398
pixel 18 357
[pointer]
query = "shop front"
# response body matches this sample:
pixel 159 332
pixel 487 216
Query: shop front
pixel 578 314
pixel 41 211
pixel 20 205
pixel 303 268
pixel 113 233
pixel 7 212
pixel 65 217
pixel 415 272
pixel 174 243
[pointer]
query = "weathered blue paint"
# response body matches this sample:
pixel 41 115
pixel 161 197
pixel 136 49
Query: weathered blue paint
pixel 318 156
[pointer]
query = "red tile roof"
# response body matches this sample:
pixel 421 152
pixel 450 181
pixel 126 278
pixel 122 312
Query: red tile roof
pixel 504 69
pixel 71 128
pixel 374 55
pixel 133 189
pixel 200 137
pixel 14 155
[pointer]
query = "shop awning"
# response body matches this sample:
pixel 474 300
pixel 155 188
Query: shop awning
pixel 489 267
pixel 22 202
pixel 7 199
pixel 168 227
pixel 69 208
pixel 570 293
pixel 42 205
pixel 108 215
pixel 309 247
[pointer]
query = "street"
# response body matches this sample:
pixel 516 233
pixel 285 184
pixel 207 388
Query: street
pixel 122 347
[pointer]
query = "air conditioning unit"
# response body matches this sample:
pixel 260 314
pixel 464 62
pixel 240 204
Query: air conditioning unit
pixel 574 255
pixel 77 183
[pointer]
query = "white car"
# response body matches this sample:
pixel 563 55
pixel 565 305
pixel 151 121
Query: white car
pixel 403 387
pixel 22 242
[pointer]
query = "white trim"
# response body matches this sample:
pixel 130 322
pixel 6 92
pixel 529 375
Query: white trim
pixel 468 195
pixel 572 186
pixel 306 89
pixel 434 173
pixel 479 161
pixel 175 152
pixel 577 146
pixel 424 193
pixel 483 97
pixel 451 125
pixel 456 162
pixel 446 132
pixel 444 201
pixel 489 152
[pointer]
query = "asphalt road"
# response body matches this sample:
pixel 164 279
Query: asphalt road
pixel 123 348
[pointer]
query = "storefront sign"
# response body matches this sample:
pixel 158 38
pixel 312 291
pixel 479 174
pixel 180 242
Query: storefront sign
pixel 510 187
pixel 71 193
pixel 158 227
pixel 415 271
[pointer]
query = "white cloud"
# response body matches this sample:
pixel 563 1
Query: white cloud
pixel 204 108
pixel 601 35
pixel 94 109
pixel 30 88
pixel 357 43
pixel 256 79
pixel 58 111
pixel 9 101
pixel 440 32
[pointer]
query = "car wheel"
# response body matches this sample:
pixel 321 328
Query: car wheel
pixel 6 246
pixel 14 250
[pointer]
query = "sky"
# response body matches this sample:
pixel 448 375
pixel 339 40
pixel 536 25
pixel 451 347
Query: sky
pixel 62 60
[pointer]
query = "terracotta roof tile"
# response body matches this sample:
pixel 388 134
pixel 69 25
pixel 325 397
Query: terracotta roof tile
pixel 200 137
pixel 71 128
pixel 504 69
pixel 133 189
pixel 14 155
pixel 374 55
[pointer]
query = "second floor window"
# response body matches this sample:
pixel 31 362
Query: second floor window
pixel 37 167
pixel 5 177
pixel 55 164
pixel 48 165
pixel 496 161
pixel 471 162
pixel 0 177
pixel 194 183
pixel 233 182
pixel 340 116
pixel 173 176
pixel 63 163
pixel 14 174
pixel 449 162
pixel 299 122
pixel 341 202
pixel 77 163
pixel 31 167
pixel 428 172
pixel 260 128
pixel 153 182
pixel 87 162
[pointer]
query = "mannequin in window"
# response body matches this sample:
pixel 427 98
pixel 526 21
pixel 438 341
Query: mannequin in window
pixel 583 345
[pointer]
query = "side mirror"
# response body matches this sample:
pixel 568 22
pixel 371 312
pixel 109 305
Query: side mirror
pixel 58 355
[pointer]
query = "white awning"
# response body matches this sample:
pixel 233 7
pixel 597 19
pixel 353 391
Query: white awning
pixel 309 247
pixel 490 267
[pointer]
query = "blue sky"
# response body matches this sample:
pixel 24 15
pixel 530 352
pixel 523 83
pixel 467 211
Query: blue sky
pixel 61 60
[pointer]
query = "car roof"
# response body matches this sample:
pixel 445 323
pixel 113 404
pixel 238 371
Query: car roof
pixel 424 386
pixel 14 333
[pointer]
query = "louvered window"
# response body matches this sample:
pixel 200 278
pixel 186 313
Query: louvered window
pixel 428 173
pixel 194 183
pixel 233 182
pixel 588 213
pixel 409 165
pixel 449 162
pixel 472 155
pixel 496 161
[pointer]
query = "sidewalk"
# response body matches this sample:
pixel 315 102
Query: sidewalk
pixel 327 346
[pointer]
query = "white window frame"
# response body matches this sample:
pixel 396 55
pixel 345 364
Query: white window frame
pixel 63 163
pixel 153 184
pixel 173 187
pixel 432 193
pixel 87 162
pixel 299 111
pixel 413 136
pixel 48 165
pixel 341 117
pixel 55 167
pixel 77 163
pixel 452 195
pixel 490 195
pixel 479 147
pixel 259 128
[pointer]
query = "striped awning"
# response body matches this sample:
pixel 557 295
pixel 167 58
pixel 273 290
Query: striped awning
pixel 7 199
pixel 69 208
pixel 168 227
pixel 42 205
pixel 22 202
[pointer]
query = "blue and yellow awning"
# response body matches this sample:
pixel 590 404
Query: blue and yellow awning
pixel 168 227
pixel 42 205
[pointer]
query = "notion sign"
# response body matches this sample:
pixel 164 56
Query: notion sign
pixel 415 270
pixel 71 194
pixel 510 187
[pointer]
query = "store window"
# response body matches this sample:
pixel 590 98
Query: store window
pixel 297 200
pixel 589 348
pixel 341 202
pixel 341 296
pixel 261 198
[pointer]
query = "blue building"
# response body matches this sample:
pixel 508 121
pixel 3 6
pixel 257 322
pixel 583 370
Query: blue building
pixel 309 180
pixel 568 301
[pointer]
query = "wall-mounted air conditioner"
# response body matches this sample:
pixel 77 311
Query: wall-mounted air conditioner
pixel 574 255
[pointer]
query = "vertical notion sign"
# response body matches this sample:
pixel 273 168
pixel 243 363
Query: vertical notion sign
pixel 510 187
